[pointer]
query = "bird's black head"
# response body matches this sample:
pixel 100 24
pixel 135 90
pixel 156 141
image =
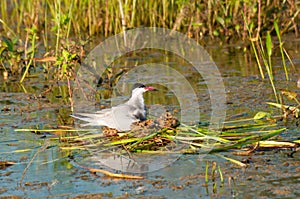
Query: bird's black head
pixel 138 85
pixel 146 88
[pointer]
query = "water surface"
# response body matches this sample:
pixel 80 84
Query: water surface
pixel 270 174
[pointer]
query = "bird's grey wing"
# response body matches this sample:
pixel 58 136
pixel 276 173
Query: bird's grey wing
pixel 118 117
pixel 104 112
pixel 99 118
pixel 122 117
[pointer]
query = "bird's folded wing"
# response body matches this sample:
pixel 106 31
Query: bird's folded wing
pixel 119 117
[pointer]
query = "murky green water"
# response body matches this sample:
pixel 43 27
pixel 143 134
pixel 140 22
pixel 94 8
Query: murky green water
pixel 270 174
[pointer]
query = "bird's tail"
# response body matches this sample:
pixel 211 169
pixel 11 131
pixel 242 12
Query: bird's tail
pixel 90 118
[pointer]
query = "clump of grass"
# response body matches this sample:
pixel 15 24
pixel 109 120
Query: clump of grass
pixel 31 36
pixel 213 176
pixel 55 21
pixel 194 139
pixel 214 18
pixel 240 137
pixel 264 53
pixel 11 55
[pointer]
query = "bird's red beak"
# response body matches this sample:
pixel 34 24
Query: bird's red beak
pixel 150 88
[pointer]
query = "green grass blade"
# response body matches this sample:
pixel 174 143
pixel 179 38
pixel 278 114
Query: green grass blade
pixel 281 49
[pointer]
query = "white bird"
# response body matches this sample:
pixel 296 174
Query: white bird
pixel 122 116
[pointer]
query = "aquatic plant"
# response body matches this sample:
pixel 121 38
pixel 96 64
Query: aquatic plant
pixel 261 54
pixel 29 51
pixel 10 55
pixel 56 21
pixel 264 53
pixel 288 110
pixel 197 19
pixel 236 136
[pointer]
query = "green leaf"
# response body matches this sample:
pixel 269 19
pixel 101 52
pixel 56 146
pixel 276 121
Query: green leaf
pixel 125 141
pixel 64 68
pixel 73 56
pixel 220 20
pixel 269 44
pixel 59 59
pixel 197 24
pixel 261 115
pixel 65 54
pixel 237 27
pixel 2 48
pixel 251 25
pixel 277 29
pixel 9 43
pixel 216 33
pixel 232 160
pixel 65 20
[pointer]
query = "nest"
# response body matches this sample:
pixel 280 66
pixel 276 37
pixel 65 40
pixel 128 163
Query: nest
pixel 149 133
pixel 144 128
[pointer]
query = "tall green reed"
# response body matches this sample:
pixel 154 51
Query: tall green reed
pixel 32 38
pixel 281 49
pixel 224 19
pixel 265 55
pixel 90 17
